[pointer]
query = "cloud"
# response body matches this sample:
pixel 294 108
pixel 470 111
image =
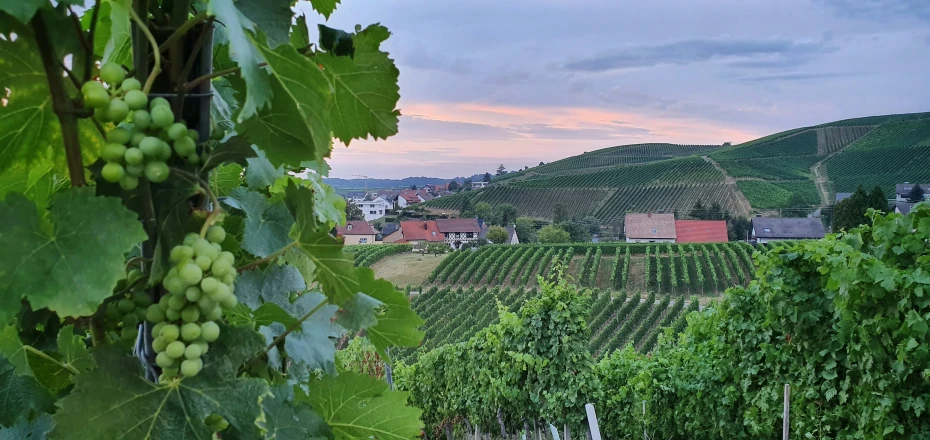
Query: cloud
pixel 878 10
pixel 420 58
pixel 694 50
pixel 791 76
pixel 414 128
pixel 546 131
pixel 508 78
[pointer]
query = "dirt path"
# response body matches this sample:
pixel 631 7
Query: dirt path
pixel 820 177
pixel 741 199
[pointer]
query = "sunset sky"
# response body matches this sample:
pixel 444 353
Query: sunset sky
pixel 519 82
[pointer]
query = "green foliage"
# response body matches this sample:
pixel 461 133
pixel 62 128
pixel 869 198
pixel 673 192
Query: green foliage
pixel 366 255
pixel 526 229
pixel 497 234
pixel 767 195
pixel 353 212
pixel 852 212
pixel 554 234
pixel 892 153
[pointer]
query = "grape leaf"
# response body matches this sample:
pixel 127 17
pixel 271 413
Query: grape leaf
pixel 357 406
pixel 36 183
pixel 300 36
pixel 244 53
pixel 22 10
pixel 115 400
pixel 31 134
pixel 48 372
pixel 366 90
pixel 225 178
pixel 233 150
pixel 269 313
pixel 118 45
pixel 286 419
pixel 314 342
pixel 397 323
pixel 336 41
pixel 224 105
pixel 73 350
pixel 273 17
pixel 80 252
pixel 174 219
pixel 359 313
pixel 296 127
pixel 274 285
pixel 20 395
pixel 324 7
pixel 12 348
pixel 26 430
pixel 335 269
pixel 260 173
pixel 266 224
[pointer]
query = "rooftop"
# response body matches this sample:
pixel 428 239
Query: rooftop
pixel 646 226
pixel 355 227
pixel 421 230
pixel 767 227
pixel 701 231
pixel 458 225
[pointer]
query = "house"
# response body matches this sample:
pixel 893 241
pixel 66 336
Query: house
pixel 649 228
pixel 391 233
pixel 419 233
pixel 700 231
pixel 765 229
pixel 407 198
pixel 842 196
pixel 512 235
pixel 478 184
pixel 355 196
pixel 357 232
pixel 903 190
pixel 459 231
pixel 374 208
pixel 903 207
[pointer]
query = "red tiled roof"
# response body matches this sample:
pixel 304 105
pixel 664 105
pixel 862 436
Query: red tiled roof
pixel 359 227
pixel 411 198
pixel 641 226
pixel 701 231
pixel 421 230
pixel 458 225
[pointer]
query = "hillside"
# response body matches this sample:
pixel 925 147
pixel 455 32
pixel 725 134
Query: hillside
pixel 757 176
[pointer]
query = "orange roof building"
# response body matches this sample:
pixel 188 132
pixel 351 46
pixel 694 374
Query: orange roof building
pixel 701 231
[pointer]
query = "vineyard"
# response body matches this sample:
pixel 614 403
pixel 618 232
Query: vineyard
pixel 674 269
pixel 366 254
pixel 455 314
pixel 530 202
pixel 671 198
pixel 688 170
pixel 771 195
pixel 623 155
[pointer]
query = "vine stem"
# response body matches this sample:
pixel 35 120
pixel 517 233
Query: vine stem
pixel 70 369
pixel 287 332
pixel 179 32
pixel 267 259
pixel 217 209
pixel 148 35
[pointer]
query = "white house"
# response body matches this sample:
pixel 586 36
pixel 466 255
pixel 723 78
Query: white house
pixel 374 209
pixel 479 184
pixel 902 191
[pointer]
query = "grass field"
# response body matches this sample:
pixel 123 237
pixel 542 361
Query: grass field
pixel 408 268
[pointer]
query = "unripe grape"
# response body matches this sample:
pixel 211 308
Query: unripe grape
pixel 170 372
pixel 129 183
pixel 209 331
pixel 190 238
pixel 202 247
pixel 190 332
pixel 292 297
pixel 151 146
pixel 229 301
pixel 162 116
pixel 193 159
pixel 136 139
pixel 130 320
pixel 217 248
pixel 185 146
pixel 175 349
pixel 177 302
pixel 141 299
pixel 112 172
pixel 119 135
pixel 214 314
pixel 190 273
pixel 155 314
pixel 177 131
pixel 159 344
pixel 141 119
pixel 172 314
pixel 100 113
pixel 117 110
pixel 129 334
pixel 92 86
pixel 218 134
pixel 205 303
pixel 219 293
pixel 181 253
pixel 157 172
pixel 209 285
pixel 163 302
pixel 175 286
pixel 191 367
pixel 126 305
pixel 133 275
pixel 191 133
pixel 190 313
pixel 131 84
pixel 216 234
pixel 193 350
pixel 229 279
pixel 228 256
pixel 135 170
pixel 136 100
pixel 113 152
pixel 156 329
pixel 204 347
pixel 159 101
pixel 112 73
pixel 97 99
pixel 193 294
pixel 220 267
pixel 170 333
pixel 163 360
pixel 203 262
pixel 133 156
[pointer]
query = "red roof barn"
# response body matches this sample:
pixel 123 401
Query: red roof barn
pixel 701 231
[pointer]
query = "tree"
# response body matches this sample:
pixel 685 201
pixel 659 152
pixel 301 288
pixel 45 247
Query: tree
pixel 483 211
pixel 541 163
pixel 715 212
pixel 466 185
pixel 737 228
pixel 501 170
pixel 413 187
pixel 139 224
pixel 579 233
pixel 796 203
pixel 497 234
pixel 591 224
pixel 465 209
pixel 559 213
pixel 850 213
pixel 554 234
pixel 504 214
pixel 353 212
pixel 487 177
pixel 697 211
pixel 916 194
pixel 437 248
pixel 453 185
pixel 526 229
pixel 877 200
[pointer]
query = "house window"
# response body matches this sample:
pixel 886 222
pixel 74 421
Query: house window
pixel 767 229
pixel 372 212
pixel 653 231
pixel 470 235
pixel 362 240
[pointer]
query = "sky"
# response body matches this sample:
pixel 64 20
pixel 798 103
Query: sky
pixel 517 82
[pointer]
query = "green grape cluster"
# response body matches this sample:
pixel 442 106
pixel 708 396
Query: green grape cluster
pixel 200 288
pixel 139 144
pixel 125 314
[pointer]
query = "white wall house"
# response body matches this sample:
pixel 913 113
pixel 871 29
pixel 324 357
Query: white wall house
pixel 479 184
pixel 374 209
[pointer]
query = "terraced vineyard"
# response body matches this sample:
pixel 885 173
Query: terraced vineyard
pixel 623 155
pixel 676 269
pixel 455 314
pixel 368 254
pixel 531 202
pixel 771 195
pixel 671 198
pixel 689 170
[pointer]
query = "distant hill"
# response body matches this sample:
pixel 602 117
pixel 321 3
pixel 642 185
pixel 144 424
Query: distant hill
pixel 386 183
pixel 756 176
